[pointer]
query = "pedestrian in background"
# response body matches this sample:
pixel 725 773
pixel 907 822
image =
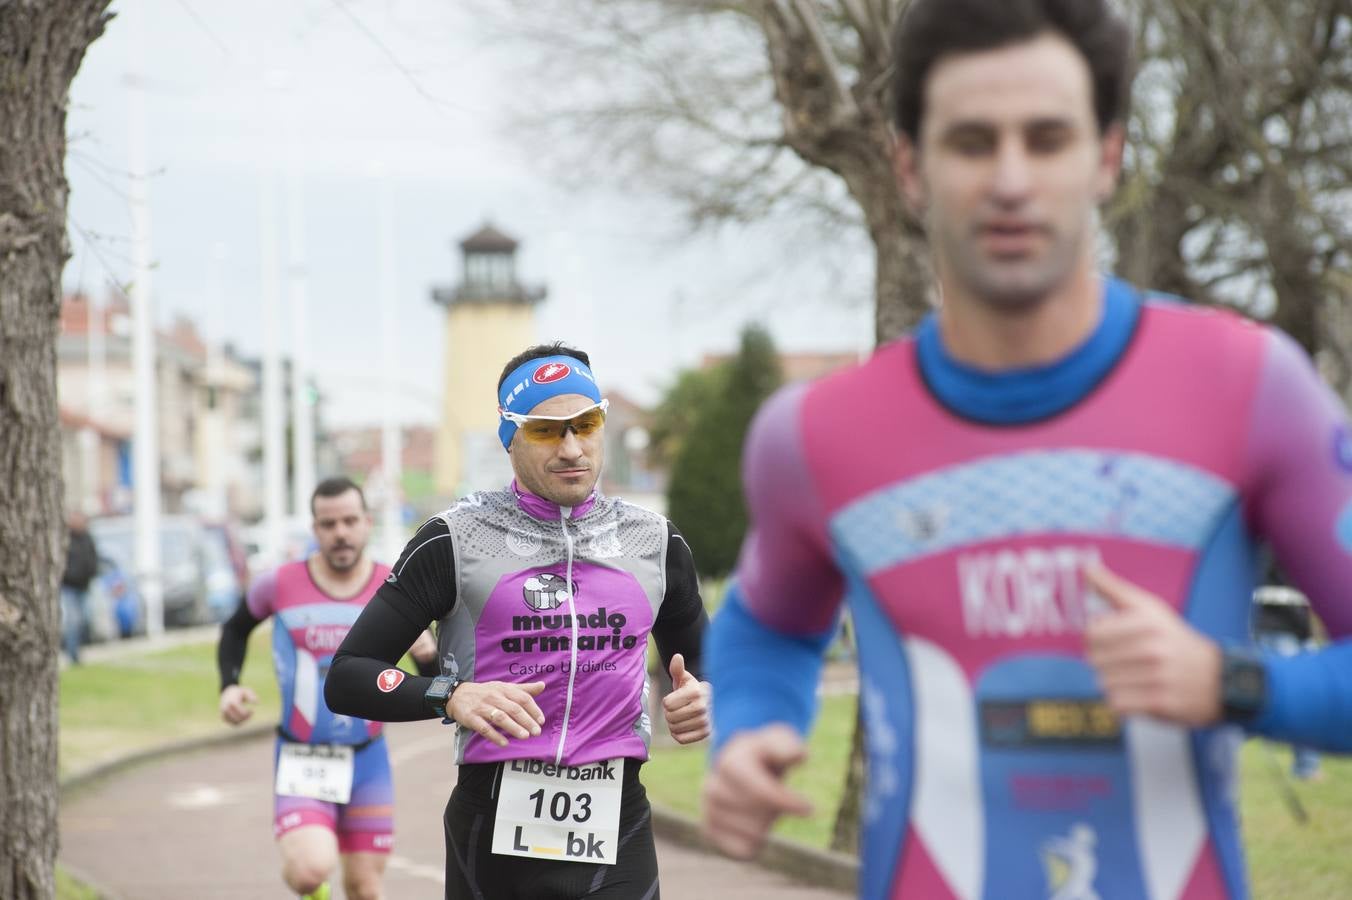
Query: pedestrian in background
pixel 82 564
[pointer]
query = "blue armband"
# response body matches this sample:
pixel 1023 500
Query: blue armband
pixel 760 675
pixel 1310 699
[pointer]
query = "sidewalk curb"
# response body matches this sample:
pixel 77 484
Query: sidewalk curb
pixel 106 769
pixel 806 864
pixel 823 868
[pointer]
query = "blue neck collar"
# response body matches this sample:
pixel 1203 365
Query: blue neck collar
pixel 1026 395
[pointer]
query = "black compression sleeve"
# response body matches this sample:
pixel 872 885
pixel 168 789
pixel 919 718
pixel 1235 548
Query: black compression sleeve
pixel 681 619
pixel 376 643
pixel 234 642
pixel 420 589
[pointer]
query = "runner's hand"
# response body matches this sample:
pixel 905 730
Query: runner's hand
pixel 236 703
pixel 485 708
pixel 744 792
pixel 1149 660
pixel 687 706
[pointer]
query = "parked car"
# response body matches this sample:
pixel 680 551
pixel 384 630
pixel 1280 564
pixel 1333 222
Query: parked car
pixel 225 569
pixel 183 562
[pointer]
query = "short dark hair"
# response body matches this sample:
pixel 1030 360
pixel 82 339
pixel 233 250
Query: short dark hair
pixel 336 487
pixel 933 29
pixel 540 351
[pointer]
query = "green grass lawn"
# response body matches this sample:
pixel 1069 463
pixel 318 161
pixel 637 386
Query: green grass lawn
pixel 1286 858
pixel 69 888
pixel 109 709
pixel 674 775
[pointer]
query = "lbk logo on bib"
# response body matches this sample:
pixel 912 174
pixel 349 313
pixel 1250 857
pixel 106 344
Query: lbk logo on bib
pixel 568 813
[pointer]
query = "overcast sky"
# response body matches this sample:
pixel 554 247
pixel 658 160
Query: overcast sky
pixel 352 89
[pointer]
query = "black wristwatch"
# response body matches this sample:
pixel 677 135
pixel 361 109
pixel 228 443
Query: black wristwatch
pixel 438 694
pixel 1243 685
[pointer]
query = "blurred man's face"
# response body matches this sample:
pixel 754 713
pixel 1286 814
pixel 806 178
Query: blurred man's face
pixel 1009 169
pixel 342 528
pixel 563 471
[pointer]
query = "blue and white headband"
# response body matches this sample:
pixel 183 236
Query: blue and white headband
pixel 535 381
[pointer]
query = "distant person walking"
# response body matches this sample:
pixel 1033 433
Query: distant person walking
pixel 82 565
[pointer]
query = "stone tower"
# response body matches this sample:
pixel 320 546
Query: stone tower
pixel 490 318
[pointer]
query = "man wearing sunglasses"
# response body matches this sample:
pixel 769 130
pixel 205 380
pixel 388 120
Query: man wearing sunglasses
pixel 545 594
pixel 1042 509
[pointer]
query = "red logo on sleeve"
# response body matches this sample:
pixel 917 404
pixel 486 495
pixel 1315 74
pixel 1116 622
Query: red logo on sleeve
pixel 389 679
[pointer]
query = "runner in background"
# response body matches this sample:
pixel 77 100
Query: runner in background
pixel 334 796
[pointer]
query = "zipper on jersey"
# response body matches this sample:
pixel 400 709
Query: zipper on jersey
pixel 564 513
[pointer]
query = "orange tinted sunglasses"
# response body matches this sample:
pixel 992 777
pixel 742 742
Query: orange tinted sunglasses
pixel 551 429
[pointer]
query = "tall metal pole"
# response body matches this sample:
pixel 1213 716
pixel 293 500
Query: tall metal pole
pixel 302 411
pixel 145 440
pixel 391 443
pixel 274 446
pixel 217 448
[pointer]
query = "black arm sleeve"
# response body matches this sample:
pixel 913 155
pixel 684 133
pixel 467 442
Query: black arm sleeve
pixel 233 643
pixel 420 590
pixel 681 619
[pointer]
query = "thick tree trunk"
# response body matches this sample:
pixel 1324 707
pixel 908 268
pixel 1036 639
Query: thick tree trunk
pixel 1301 296
pixel 41 46
pixel 903 281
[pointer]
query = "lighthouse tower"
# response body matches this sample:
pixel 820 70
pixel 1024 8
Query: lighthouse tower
pixel 490 318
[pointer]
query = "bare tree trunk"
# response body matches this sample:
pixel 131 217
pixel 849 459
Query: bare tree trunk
pixel 1300 294
pixel 903 282
pixel 41 46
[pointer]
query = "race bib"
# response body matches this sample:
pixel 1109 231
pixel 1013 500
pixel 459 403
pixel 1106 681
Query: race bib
pixel 568 813
pixel 319 771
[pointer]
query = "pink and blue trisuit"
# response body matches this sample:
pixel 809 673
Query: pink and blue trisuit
pixel 953 511
pixel 308 626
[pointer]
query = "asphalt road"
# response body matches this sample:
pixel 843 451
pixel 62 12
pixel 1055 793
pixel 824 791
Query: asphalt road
pixel 200 825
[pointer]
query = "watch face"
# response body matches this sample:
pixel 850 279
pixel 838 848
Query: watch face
pixel 1243 687
pixel 1248 682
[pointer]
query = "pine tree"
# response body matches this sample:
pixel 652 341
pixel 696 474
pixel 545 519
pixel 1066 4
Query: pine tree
pixel 704 496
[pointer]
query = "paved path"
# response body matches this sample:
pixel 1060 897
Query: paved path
pixel 200 825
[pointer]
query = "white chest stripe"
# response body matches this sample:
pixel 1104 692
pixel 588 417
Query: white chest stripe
pixel 307 686
pixel 1170 823
pixel 947 809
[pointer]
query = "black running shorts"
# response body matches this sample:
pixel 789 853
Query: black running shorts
pixel 474 872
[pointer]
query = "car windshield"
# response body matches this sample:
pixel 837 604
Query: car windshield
pixel 115 545
pixel 115 539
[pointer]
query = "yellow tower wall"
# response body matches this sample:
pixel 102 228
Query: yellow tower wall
pixel 480 338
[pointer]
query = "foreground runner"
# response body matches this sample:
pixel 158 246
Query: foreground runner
pixel 334 794
pixel 546 593
pixel 965 488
